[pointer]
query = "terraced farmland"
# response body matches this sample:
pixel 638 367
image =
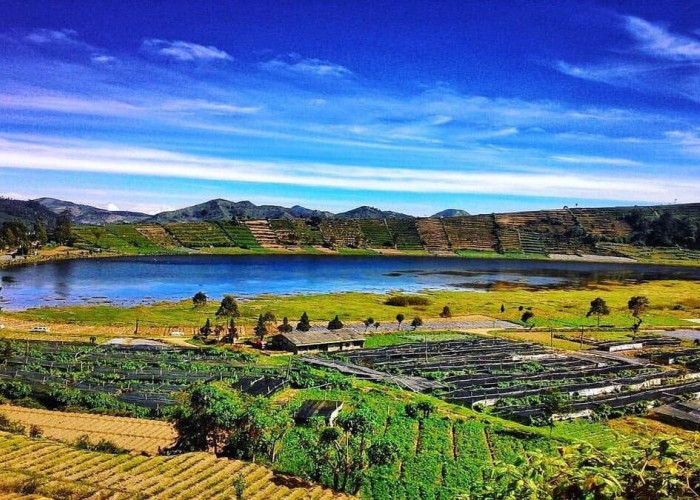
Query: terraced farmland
pixel 129 433
pixel 240 234
pixel 198 234
pixel 121 476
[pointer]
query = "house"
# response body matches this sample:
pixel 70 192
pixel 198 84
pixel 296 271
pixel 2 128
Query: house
pixel 328 410
pixel 330 341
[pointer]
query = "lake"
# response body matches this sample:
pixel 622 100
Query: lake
pixel 135 280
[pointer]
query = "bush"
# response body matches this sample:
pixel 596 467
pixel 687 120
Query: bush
pixel 407 300
pixel 335 323
pixel 8 425
pixel 446 312
pixel 35 431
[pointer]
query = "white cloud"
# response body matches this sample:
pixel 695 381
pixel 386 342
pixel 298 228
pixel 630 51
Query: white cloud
pixel 60 37
pixel 214 107
pixel 102 59
pixel 596 160
pixel 82 156
pixel 659 42
pixel 183 51
pixel 294 63
pixel 112 207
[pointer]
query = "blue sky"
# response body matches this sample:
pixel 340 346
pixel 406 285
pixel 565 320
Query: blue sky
pixel 404 105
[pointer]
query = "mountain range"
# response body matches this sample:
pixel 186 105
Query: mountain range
pixel 218 209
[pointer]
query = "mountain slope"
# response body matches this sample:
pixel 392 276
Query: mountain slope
pixel 221 209
pixel 86 214
pixel 26 211
pixel 366 212
pixel 452 212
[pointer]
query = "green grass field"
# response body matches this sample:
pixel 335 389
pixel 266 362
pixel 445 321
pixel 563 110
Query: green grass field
pixel 552 308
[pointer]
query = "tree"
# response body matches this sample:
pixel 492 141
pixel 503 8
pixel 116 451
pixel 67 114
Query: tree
pixel 285 327
pixel 62 231
pixel 426 407
pixel 527 316
pixel 383 452
pixel 228 307
pixel 206 330
pixel 368 322
pixel 399 319
pixel 417 321
pixel 335 323
pixel 304 325
pixel 598 308
pixel 638 304
pixel 446 312
pixel 503 308
pixel 270 320
pixel 260 328
pixel 377 324
pixel 203 423
pixel 232 332
pixel 554 403
pixel 40 233
pixel 199 299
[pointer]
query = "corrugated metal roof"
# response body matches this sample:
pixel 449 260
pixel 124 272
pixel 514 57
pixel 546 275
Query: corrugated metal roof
pixel 318 408
pixel 315 338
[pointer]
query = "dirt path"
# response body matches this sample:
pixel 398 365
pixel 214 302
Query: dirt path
pixel 487 438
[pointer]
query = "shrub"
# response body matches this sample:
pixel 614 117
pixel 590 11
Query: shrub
pixel 446 312
pixel 35 431
pixel 335 323
pixel 407 300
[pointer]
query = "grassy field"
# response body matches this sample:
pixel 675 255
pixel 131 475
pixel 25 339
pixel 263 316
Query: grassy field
pixel 672 302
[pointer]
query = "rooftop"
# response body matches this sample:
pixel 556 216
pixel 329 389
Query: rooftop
pixel 315 338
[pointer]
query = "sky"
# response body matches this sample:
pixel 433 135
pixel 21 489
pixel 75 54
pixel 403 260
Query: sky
pixel 412 106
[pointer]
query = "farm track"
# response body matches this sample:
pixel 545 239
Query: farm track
pixel 129 433
pixel 100 475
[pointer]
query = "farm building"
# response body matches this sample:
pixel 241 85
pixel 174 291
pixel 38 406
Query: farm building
pixel 328 410
pixel 331 341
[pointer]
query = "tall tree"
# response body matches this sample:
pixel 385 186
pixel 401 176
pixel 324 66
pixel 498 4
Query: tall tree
pixel 228 307
pixel 598 308
pixel 335 323
pixel 260 328
pixel 399 319
pixel 62 232
pixel 304 325
pixel 285 327
pixel 199 299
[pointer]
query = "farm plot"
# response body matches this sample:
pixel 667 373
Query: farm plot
pixel 129 433
pixel 198 234
pixel 240 234
pixel 142 381
pixel 187 476
pixel 514 378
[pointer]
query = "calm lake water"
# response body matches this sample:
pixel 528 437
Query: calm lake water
pixel 133 280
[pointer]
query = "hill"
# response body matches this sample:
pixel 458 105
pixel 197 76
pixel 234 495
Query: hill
pixel 366 212
pixel 25 211
pixel 221 209
pixel 86 214
pixel 452 212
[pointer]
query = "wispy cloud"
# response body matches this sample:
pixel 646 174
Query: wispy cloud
pixel 596 160
pixel 660 62
pixel 59 37
pixel 295 64
pixel 660 42
pixel 182 51
pixel 81 156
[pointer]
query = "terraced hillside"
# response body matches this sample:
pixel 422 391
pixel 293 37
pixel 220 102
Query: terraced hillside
pixel 198 234
pixel 52 466
pixel 239 234
pixel 471 233
pixel 564 231
pixel 133 434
